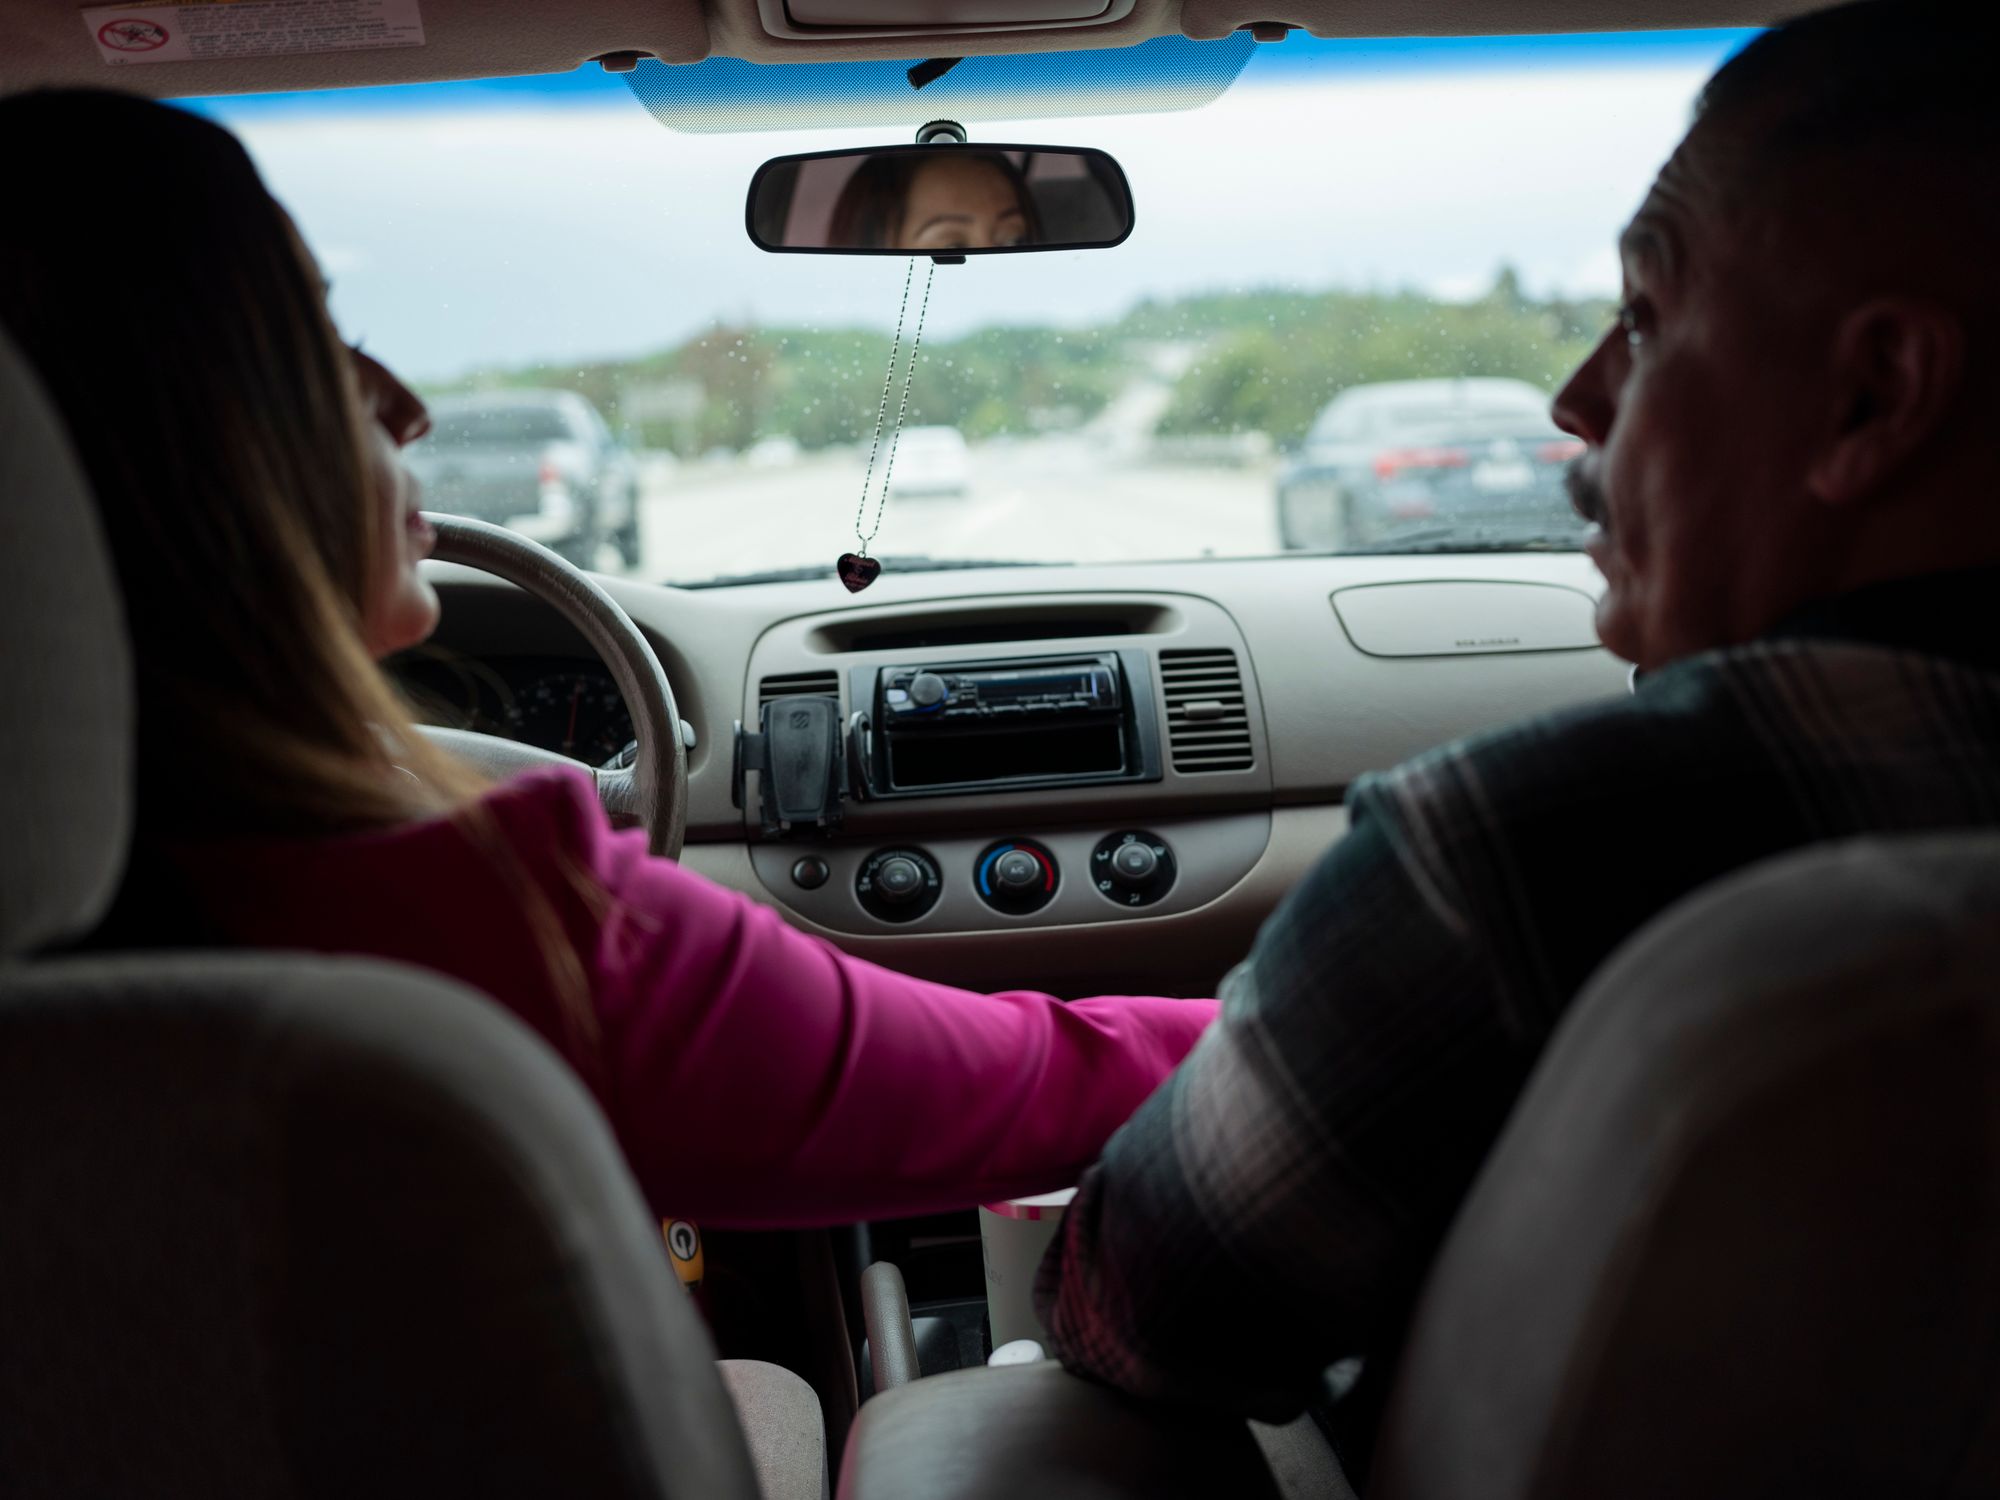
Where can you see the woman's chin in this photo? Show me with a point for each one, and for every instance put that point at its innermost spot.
(405, 620)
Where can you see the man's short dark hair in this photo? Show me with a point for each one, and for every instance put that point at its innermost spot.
(1874, 124)
(1877, 73)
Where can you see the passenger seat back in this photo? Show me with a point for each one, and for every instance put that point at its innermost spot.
(277, 1226)
(1742, 1235)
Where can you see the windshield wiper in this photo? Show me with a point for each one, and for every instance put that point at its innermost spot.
(912, 564)
(1460, 539)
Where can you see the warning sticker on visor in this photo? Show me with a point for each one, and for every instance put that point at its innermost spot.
(209, 30)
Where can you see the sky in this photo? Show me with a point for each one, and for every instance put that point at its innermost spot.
(551, 220)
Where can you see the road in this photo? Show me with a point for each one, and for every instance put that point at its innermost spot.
(1060, 499)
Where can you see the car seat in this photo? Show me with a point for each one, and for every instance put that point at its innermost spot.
(1741, 1237)
(277, 1225)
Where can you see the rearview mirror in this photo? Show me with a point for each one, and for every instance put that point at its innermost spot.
(942, 200)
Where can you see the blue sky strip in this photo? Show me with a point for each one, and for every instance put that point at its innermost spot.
(1184, 73)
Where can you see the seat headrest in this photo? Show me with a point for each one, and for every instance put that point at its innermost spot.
(1766, 1136)
(65, 678)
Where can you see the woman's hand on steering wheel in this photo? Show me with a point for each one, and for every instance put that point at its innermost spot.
(652, 790)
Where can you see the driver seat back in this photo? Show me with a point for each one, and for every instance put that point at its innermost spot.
(1741, 1237)
(277, 1225)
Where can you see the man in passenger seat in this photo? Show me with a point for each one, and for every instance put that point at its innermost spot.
(1792, 458)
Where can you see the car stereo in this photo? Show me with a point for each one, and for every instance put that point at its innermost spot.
(948, 727)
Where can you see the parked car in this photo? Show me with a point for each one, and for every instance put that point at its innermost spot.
(542, 463)
(1476, 458)
(931, 461)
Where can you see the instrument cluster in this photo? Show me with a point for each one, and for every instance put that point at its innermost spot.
(568, 705)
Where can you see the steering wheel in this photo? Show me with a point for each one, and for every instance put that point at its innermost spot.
(653, 790)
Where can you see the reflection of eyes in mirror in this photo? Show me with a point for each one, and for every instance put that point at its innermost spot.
(954, 200)
(941, 200)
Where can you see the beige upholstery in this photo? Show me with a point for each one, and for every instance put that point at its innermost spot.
(780, 1418)
(1742, 1237)
(47, 44)
(1036, 1432)
(1302, 1464)
(291, 1227)
(276, 1226)
(65, 681)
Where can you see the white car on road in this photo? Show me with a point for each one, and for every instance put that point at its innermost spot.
(931, 461)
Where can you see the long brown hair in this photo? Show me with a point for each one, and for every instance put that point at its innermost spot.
(181, 329)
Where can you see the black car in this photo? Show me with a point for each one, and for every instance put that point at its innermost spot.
(1476, 459)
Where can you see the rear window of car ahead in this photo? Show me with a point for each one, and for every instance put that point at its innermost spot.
(501, 424)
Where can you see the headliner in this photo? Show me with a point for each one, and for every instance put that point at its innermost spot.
(49, 45)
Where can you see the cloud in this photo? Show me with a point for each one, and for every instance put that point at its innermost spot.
(515, 234)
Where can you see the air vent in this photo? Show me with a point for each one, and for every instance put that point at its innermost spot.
(798, 684)
(1208, 728)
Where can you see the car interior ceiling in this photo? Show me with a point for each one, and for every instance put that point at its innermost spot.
(1340, 665)
(47, 47)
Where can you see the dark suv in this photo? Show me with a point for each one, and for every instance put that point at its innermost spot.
(542, 463)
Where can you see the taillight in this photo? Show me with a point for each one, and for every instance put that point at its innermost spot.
(1559, 452)
(1392, 461)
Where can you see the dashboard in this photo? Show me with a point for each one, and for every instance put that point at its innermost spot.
(570, 706)
(1121, 769)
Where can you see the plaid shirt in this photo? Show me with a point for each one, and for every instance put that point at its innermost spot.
(1275, 1206)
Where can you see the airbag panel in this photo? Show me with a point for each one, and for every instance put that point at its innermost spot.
(1465, 617)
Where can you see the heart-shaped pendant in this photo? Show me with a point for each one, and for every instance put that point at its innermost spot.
(857, 572)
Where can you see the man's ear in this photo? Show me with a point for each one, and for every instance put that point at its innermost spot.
(1896, 365)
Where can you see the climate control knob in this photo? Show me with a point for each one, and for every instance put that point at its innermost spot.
(1134, 864)
(1132, 867)
(1015, 876)
(898, 885)
(1017, 870)
(899, 879)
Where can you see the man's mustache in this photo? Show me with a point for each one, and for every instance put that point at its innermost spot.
(1586, 495)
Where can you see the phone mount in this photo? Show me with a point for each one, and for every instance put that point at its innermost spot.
(799, 753)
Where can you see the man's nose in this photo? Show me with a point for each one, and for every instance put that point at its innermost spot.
(1583, 407)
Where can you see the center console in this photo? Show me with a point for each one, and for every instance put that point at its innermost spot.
(973, 726)
(963, 768)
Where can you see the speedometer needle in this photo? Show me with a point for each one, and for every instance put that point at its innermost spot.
(569, 735)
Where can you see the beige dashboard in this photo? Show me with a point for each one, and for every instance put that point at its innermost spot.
(1274, 683)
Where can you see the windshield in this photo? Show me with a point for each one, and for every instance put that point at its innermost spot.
(495, 425)
(1355, 280)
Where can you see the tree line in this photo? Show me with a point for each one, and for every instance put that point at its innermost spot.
(1246, 361)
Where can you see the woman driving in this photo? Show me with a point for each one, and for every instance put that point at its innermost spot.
(267, 539)
(939, 200)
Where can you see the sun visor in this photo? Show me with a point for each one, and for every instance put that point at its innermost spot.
(727, 94)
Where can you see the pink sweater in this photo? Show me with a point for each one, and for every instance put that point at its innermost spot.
(754, 1075)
